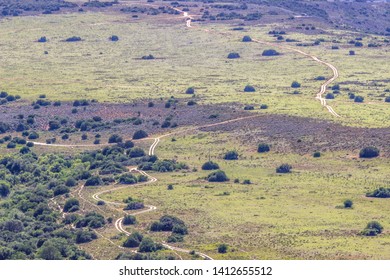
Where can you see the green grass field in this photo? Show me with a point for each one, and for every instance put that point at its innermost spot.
(97, 68)
(297, 215)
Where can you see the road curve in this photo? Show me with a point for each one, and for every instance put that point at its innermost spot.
(324, 86)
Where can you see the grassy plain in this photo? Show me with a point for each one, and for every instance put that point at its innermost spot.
(97, 68)
(297, 215)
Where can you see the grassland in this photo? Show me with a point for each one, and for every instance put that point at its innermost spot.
(114, 72)
(297, 215)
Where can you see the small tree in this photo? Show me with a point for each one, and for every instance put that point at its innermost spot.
(329, 96)
(369, 152)
(147, 245)
(352, 53)
(387, 99)
(284, 168)
(263, 148)
(42, 39)
(170, 187)
(316, 154)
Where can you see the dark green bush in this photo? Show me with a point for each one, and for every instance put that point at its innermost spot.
(210, 166)
(129, 220)
(369, 152)
(217, 176)
(231, 155)
(284, 168)
(71, 205)
(380, 193)
(140, 134)
(263, 148)
(249, 88)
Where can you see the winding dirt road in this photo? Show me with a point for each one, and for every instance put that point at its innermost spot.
(324, 86)
(119, 222)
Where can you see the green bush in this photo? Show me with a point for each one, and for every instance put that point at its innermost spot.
(134, 240)
(222, 248)
(140, 134)
(210, 166)
(217, 176)
(115, 138)
(190, 90)
(359, 99)
(263, 148)
(71, 205)
(233, 56)
(270, 53)
(380, 193)
(147, 245)
(129, 220)
(295, 84)
(348, 203)
(369, 152)
(4, 188)
(284, 168)
(249, 88)
(372, 229)
(316, 154)
(231, 155)
(247, 39)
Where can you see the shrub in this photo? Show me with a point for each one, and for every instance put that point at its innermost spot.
(247, 39)
(85, 236)
(263, 106)
(140, 134)
(191, 103)
(128, 144)
(249, 88)
(127, 179)
(270, 53)
(4, 188)
(284, 168)
(217, 176)
(352, 53)
(129, 220)
(147, 245)
(42, 40)
(150, 104)
(115, 138)
(134, 205)
(231, 155)
(222, 248)
(71, 205)
(348, 203)
(57, 104)
(73, 39)
(53, 125)
(190, 90)
(316, 154)
(11, 145)
(170, 187)
(94, 181)
(70, 182)
(92, 220)
(180, 229)
(134, 240)
(148, 57)
(359, 99)
(233, 56)
(114, 38)
(380, 193)
(33, 135)
(210, 166)
(247, 182)
(358, 44)
(372, 229)
(249, 107)
(387, 99)
(263, 148)
(329, 96)
(173, 238)
(136, 152)
(101, 203)
(369, 152)
(320, 78)
(295, 84)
